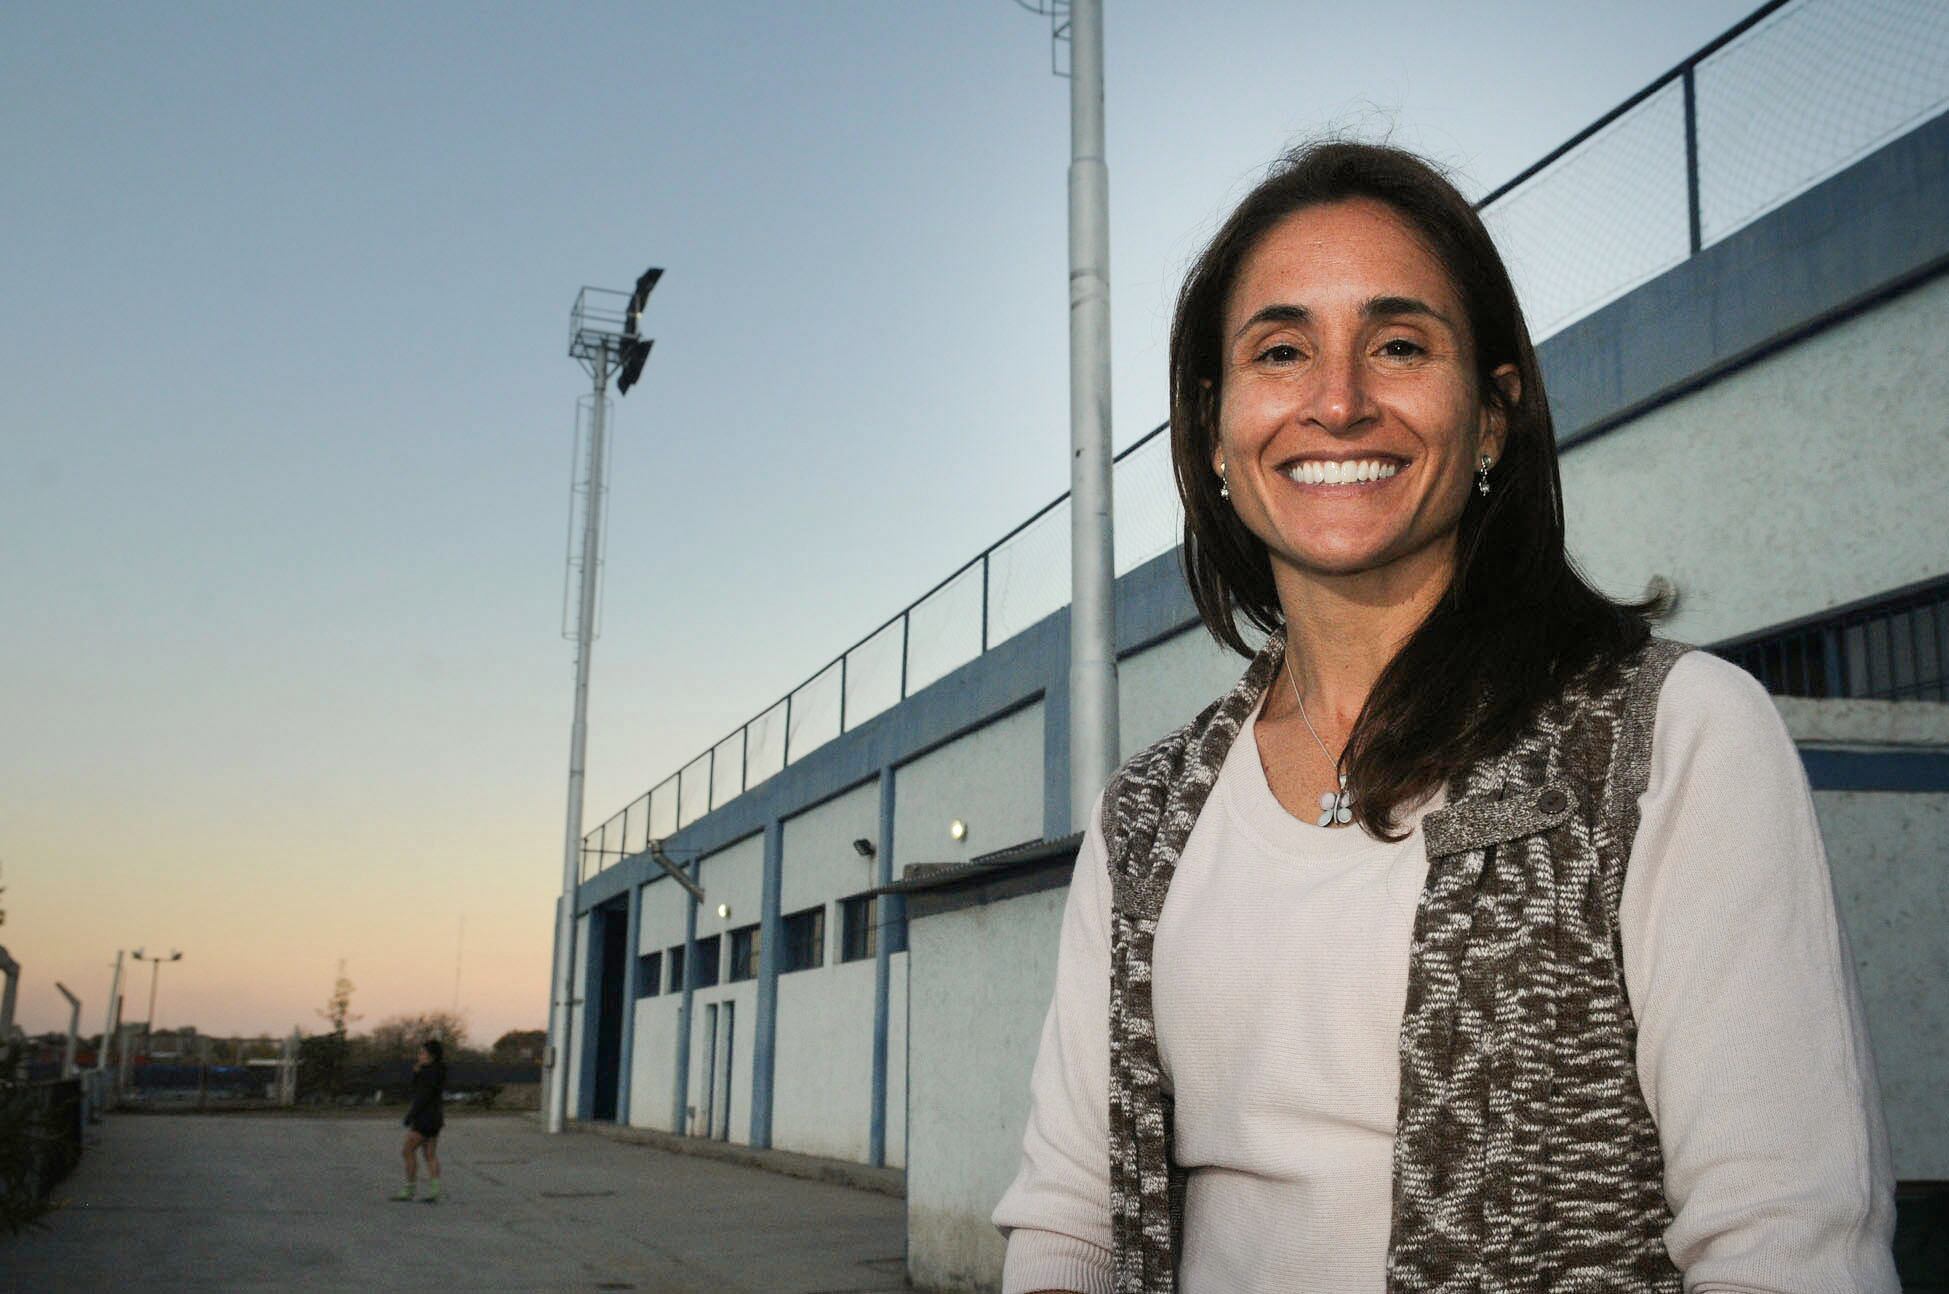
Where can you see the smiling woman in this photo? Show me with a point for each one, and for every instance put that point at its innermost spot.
(1268, 1064)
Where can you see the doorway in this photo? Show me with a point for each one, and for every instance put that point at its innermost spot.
(721, 1080)
(611, 940)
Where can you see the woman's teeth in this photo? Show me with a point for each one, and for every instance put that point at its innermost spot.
(1331, 472)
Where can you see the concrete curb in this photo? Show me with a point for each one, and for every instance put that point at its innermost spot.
(840, 1172)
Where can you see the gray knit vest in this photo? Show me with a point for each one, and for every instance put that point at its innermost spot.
(1525, 1158)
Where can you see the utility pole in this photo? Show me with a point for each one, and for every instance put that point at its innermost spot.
(108, 1025)
(74, 1028)
(1093, 718)
(604, 336)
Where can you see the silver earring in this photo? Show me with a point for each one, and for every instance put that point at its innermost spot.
(1482, 474)
(1224, 483)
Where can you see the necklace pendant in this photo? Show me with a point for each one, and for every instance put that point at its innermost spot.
(1336, 808)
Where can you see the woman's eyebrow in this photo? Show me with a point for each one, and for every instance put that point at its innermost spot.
(1374, 308)
(1395, 307)
(1282, 314)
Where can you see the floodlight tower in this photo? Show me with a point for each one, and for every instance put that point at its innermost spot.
(605, 337)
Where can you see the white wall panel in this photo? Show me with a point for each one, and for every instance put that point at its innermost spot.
(1810, 479)
(990, 779)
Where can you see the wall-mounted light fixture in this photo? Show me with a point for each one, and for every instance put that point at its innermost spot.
(864, 847)
(957, 830)
(724, 912)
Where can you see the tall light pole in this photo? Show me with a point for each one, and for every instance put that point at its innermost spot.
(1093, 719)
(1093, 707)
(155, 972)
(605, 336)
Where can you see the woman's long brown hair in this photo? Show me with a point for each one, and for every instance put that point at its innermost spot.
(1517, 621)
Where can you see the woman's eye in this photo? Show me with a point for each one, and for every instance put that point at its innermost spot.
(1400, 348)
(1283, 353)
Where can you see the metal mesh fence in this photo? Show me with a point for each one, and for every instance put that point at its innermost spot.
(1792, 94)
(815, 710)
(1149, 515)
(1028, 575)
(765, 754)
(873, 674)
(1808, 91)
(727, 769)
(944, 629)
(663, 808)
(1608, 215)
(694, 790)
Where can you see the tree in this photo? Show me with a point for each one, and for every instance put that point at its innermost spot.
(399, 1037)
(322, 1060)
(518, 1045)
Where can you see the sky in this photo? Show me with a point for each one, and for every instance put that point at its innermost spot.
(286, 412)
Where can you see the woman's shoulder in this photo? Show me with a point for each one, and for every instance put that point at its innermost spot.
(1709, 691)
(1713, 714)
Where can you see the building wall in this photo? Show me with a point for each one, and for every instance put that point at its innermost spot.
(822, 1097)
(990, 778)
(735, 876)
(653, 1073)
(820, 864)
(823, 1084)
(1162, 687)
(1810, 479)
(1889, 854)
(980, 979)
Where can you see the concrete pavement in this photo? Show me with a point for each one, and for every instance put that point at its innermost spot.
(277, 1201)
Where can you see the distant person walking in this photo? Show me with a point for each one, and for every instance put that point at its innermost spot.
(424, 1119)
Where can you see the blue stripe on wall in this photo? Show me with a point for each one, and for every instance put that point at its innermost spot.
(1912, 771)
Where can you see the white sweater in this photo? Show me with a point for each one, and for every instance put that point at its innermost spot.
(1281, 979)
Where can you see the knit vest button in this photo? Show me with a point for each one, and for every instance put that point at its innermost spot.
(1552, 801)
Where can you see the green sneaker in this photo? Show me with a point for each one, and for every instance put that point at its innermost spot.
(433, 1191)
(402, 1195)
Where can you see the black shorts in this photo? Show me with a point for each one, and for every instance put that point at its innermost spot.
(427, 1125)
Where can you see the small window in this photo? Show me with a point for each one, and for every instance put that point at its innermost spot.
(676, 961)
(744, 953)
(707, 967)
(649, 974)
(859, 928)
(805, 940)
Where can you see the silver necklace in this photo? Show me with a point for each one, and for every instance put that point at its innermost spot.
(1334, 808)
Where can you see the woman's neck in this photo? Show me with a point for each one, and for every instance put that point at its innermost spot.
(1342, 630)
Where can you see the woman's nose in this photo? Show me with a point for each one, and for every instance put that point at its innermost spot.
(1340, 400)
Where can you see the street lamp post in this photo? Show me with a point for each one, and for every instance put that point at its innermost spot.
(155, 973)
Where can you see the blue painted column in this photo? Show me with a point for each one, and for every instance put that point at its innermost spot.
(891, 908)
(680, 1090)
(632, 969)
(771, 933)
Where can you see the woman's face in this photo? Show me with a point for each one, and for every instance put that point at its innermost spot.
(425, 1057)
(1349, 421)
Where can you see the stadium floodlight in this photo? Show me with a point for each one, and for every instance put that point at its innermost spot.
(605, 334)
(636, 349)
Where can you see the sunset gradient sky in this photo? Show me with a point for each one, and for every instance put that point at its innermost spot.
(287, 414)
